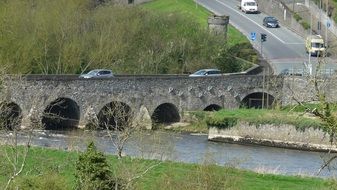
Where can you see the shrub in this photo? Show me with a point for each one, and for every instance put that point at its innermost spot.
(236, 58)
(305, 25)
(93, 171)
(222, 123)
(297, 17)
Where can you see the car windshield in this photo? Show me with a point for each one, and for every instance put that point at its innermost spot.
(201, 72)
(250, 4)
(92, 73)
(317, 45)
(271, 19)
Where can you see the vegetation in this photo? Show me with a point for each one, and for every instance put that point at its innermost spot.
(93, 171)
(292, 115)
(305, 25)
(57, 168)
(73, 36)
(262, 116)
(193, 11)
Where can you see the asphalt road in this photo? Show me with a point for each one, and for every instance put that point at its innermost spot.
(283, 49)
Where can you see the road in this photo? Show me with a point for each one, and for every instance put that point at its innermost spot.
(283, 49)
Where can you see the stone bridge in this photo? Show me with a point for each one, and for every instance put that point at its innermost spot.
(152, 99)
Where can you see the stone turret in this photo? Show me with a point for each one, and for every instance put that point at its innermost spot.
(218, 24)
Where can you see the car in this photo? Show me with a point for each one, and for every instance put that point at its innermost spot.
(270, 22)
(206, 72)
(97, 73)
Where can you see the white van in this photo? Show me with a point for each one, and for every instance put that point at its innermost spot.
(248, 6)
(314, 44)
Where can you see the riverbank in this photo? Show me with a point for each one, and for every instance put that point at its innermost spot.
(275, 128)
(60, 165)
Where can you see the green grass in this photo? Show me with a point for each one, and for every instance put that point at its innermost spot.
(190, 9)
(166, 175)
(263, 116)
(226, 118)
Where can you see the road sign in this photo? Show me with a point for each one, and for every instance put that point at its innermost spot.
(253, 36)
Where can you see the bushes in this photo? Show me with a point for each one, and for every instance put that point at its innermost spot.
(305, 25)
(222, 122)
(93, 171)
(70, 36)
(228, 118)
(236, 58)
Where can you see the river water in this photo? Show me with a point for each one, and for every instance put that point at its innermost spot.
(193, 148)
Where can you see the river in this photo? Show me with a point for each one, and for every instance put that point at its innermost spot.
(192, 148)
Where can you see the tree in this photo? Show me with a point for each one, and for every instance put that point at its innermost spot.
(118, 120)
(317, 86)
(236, 58)
(93, 171)
(17, 139)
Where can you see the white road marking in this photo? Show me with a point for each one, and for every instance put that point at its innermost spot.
(255, 23)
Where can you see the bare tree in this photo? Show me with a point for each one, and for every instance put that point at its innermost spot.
(318, 84)
(16, 139)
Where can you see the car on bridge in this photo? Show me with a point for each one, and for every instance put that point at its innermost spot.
(270, 22)
(206, 72)
(97, 73)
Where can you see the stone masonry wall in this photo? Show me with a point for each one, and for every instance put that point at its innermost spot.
(186, 93)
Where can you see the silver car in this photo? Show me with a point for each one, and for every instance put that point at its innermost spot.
(98, 73)
(206, 72)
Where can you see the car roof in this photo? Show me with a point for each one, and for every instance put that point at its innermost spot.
(97, 70)
(209, 70)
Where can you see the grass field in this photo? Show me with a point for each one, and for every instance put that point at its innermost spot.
(47, 163)
(194, 11)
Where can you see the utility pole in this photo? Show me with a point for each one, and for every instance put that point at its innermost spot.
(320, 18)
(327, 25)
(263, 79)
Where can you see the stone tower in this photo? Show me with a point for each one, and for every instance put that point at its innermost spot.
(218, 24)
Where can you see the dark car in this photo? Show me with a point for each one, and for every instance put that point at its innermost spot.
(270, 22)
(98, 73)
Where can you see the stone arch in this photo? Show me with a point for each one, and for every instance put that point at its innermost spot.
(212, 107)
(10, 115)
(114, 115)
(165, 113)
(258, 100)
(62, 113)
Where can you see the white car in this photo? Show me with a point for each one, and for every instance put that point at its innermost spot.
(206, 72)
(97, 73)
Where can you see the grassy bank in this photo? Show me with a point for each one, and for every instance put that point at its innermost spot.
(201, 120)
(195, 12)
(59, 167)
